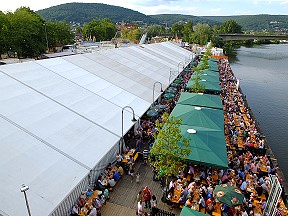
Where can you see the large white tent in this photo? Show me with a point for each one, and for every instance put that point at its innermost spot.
(61, 119)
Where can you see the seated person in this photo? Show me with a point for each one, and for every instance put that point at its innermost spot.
(120, 170)
(116, 176)
(109, 167)
(119, 158)
(89, 193)
(106, 194)
(189, 202)
(100, 184)
(111, 182)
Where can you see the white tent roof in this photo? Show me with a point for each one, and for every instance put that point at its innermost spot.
(60, 116)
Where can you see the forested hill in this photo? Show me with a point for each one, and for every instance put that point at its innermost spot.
(86, 12)
(170, 19)
(257, 22)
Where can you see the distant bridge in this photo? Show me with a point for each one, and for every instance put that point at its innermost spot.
(238, 37)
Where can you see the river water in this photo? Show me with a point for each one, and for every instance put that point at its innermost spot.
(263, 74)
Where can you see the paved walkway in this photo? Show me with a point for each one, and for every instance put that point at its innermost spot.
(123, 197)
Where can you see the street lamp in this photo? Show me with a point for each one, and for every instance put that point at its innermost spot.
(182, 66)
(133, 120)
(154, 91)
(23, 189)
(46, 36)
(170, 75)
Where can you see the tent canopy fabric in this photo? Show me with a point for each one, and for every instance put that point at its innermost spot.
(190, 212)
(199, 116)
(208, 146)
(200, 99)
(60, 119)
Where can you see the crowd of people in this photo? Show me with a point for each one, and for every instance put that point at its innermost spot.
(248, 165)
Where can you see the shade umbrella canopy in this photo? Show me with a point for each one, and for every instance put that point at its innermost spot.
(159, 107)
(213, 68)
(190, 212)
(210, 72)
(171, 90)
(177, 81)
(174, 84)
(169, 96)
(213, 60)
(208, 146)
(207, 77)
(209, 86)
(199, 116)
(200, 99)
(228, 195)
(152, 112)
(193, 63)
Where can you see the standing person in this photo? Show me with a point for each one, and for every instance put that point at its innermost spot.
(138, 178)
(147, 195)
(138, 145)
(140, 209)
(154, 206)
(131, 172)
(139, 197)
(145, 156)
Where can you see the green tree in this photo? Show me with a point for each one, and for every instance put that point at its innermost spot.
(187, 30)
(25, 33)
(4, 32)
(102, 29)
(155, 30)
(231, 26)
(177, 29)
(166, 154)
(197, 87)
(201, 35)
(58, 33)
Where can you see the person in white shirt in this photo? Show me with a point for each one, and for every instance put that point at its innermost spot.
(140, 209)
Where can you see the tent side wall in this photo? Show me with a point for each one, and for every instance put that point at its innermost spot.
(64, 208)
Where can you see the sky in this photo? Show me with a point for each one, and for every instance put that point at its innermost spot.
(189, 7)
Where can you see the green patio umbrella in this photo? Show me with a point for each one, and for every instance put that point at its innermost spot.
(190, 212)
(171, 90)
(159, 107)
(152, 112)
(209, 85)
(210, 72)
(193, 64)
(199, 116)
(200, 99)
(208, 146)
(228, 195)
(177, 81)
(168, 96)
(174, 84)
(207, 77)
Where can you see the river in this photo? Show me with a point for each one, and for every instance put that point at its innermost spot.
(263, 74)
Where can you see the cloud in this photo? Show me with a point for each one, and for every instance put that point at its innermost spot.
(284, 2)
(164, 9)
(216, 11)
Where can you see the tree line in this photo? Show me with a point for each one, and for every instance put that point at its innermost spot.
(25, 33)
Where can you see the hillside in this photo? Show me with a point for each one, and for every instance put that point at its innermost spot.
(86, 12)
(173, 18)
(262, 22)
